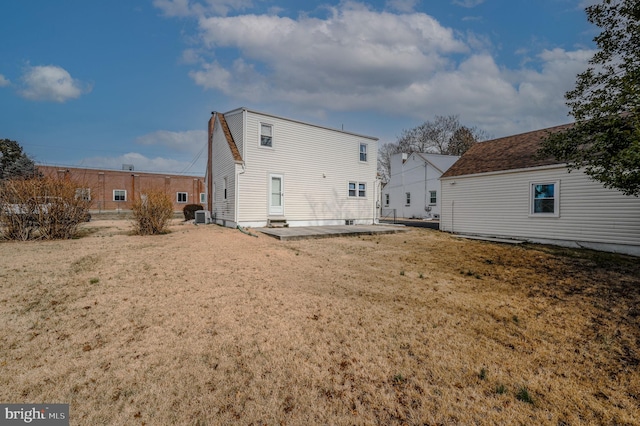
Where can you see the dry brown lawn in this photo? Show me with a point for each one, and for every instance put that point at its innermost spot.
(208, 326)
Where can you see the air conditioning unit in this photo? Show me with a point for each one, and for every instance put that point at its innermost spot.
(202, 217)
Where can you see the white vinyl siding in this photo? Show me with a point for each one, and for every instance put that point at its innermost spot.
(418, 175)
(499, 204)
(224, 172)
(316, 163)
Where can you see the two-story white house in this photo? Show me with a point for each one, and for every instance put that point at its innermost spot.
(264, 169)
(413, 190)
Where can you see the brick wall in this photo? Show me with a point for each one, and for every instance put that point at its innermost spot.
(107, 188)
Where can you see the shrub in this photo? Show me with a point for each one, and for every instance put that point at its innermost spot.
(152, 213)
(42, 208)
(190, 211)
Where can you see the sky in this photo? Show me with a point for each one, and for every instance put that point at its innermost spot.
(95, 83)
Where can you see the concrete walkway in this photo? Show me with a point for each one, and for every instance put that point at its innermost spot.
(308, 232)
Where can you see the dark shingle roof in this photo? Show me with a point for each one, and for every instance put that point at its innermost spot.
(508, 153)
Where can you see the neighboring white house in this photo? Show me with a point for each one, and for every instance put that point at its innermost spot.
(501, 188)
(265, 169)
(413, 190)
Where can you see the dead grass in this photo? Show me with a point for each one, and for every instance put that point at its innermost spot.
(206, 325)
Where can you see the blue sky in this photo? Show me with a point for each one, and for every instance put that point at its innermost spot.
(101, 83)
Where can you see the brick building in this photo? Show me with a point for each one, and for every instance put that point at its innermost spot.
(114, 190)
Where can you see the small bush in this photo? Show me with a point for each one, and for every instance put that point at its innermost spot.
(152, 213)
(42, 208)
(524, 395)
(190, 211)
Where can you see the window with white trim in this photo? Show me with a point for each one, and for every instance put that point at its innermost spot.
(363, 152)
(203, 197)
(119, 195)
(407, 197)
(433, 197)
(83, 194)
(357, 189)
(266, 135)
(386, 199)
(182, 197)
(362, 189)
(545, 198)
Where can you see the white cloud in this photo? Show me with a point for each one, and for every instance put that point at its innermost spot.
(182, 8)
(468, 3)
(51, 83)
(144, 163)
(4, 81)
(190, 141)
(353, 50)
(359, 59)
(402, 5)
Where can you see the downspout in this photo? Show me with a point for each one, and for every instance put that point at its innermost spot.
(425, 187)
(242, 164)
(208, 174)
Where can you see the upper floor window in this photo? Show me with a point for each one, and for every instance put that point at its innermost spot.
(266, 135)
(182, 197)
(363, 152)
(544, 198)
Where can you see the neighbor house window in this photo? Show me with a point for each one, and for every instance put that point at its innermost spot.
(119, 195)
(433, 197)
(407, 196)
(266, 135)
(224, 188)
(363, 152)
(544, 198)
(203, 197)
(357, 189)
(182, 197)
(386, 199)
(83, 194)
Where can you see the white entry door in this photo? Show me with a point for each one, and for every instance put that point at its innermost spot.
(276, 195)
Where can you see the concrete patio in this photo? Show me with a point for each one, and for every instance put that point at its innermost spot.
(309, 232)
